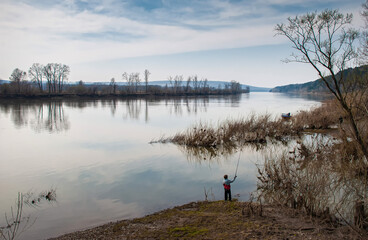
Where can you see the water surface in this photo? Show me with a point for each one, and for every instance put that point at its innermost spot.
(96, 154)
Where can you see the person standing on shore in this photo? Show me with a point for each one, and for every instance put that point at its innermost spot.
(226, 183)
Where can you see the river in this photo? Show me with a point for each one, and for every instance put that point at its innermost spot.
(97, 157)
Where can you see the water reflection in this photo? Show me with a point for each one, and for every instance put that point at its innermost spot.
(39, 116)
(313, 97)
(51, 116)
(102, 165)
(133, 109)
(318, 176)
(19, 221)
(207, 154)
(19, 115)
(219, 153)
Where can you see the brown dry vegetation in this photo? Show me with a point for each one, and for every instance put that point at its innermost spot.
(321, 179)
(254, 129)
(324, 175)
(324, 117)
(316, 190)
(220, 220)
(257, 129)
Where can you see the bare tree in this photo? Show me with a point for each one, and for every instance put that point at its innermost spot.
(171, 83)
(137, 81)
(63, 73)
(36, 73)
(132, 80)
(17, 77)
(146, 75)
(195, 83)
(364, 40)
(113, 86)
(178, 81)
(125, 77)
(188, 84)
(56, 74)
(326, 42)
(235, 87)
(48, 73)
(205, 85)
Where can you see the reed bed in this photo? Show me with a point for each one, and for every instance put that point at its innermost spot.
(257, 129)
(326, 116)
(254, 129)
(325, 175)
(322, 178)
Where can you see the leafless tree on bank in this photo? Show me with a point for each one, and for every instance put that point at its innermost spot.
(187, 88)
(113, 86)
(146, 75)
(137, 81)
(17, 77)
(176, 83)
(364, 40)
(56, 75)
(326, 42)
(195, 83)
(36, 72)
(132, 80)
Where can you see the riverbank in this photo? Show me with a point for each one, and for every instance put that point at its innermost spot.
(220, 220)
(109, 96)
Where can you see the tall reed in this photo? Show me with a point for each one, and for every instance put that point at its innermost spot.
(254, 129)
(319, 177)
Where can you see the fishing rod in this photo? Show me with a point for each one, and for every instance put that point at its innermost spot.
(237, 165)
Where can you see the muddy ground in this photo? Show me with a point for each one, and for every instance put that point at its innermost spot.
(222, 220)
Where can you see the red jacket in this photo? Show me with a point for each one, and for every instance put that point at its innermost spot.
(227, 182)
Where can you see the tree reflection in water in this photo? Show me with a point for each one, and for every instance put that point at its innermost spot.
(40, 116)
(133, 108)
(216, 154)
(51, 117)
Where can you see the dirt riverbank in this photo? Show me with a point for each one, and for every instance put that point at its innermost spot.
(221, 220)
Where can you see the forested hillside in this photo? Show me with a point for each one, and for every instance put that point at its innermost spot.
(318, 85)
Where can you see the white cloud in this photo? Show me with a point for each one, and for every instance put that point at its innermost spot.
(110, 29)
(58, 34)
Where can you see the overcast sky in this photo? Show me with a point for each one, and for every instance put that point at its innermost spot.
(220, 40)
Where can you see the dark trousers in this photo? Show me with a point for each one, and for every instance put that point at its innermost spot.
(227, 194)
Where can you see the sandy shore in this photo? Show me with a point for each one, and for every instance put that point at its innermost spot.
(221, 220)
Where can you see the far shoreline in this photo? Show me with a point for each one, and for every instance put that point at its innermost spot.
(68, 96)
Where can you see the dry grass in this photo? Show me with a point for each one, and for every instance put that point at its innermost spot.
(233, 133)
(219, 220)
(263, 129)
(321, 178)
(324, 177)
(257, 129)
(323, 117)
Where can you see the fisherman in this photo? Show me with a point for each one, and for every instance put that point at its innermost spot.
(226, 182)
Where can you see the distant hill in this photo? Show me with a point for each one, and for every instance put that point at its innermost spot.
(3, 81)
(317, 85)
(215, 84)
